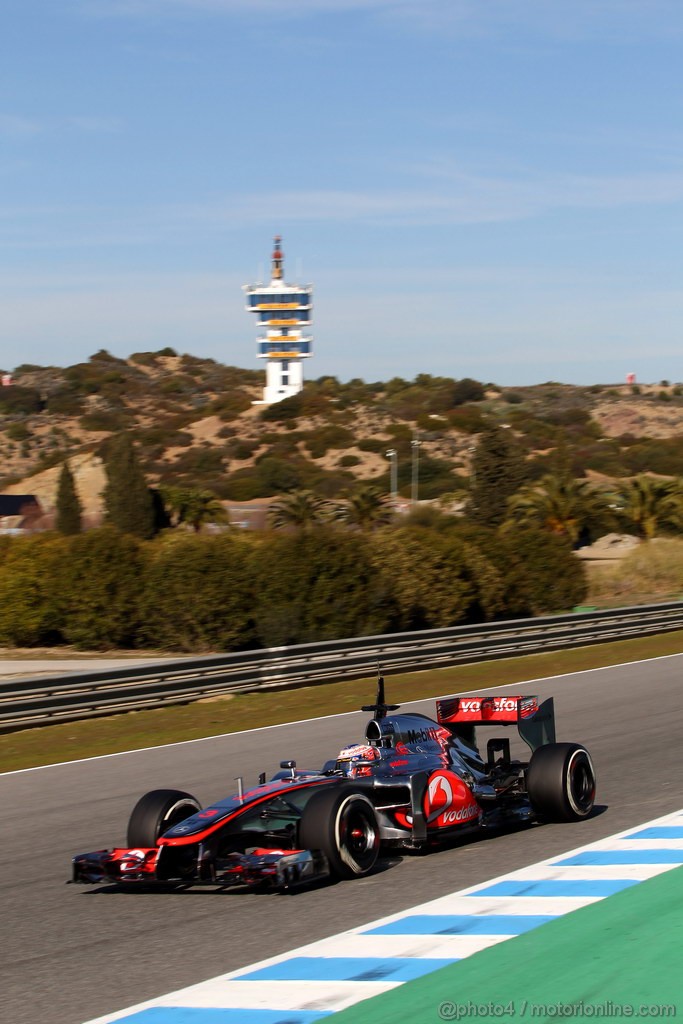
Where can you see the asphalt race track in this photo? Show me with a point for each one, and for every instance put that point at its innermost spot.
(71, 953)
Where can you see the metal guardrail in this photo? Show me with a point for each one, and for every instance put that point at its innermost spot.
(42, 700)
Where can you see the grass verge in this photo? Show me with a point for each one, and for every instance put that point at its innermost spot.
(52, 744)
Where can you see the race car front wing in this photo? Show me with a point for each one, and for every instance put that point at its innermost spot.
(279, 869)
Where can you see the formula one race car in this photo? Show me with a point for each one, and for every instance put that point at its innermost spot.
(413, 782)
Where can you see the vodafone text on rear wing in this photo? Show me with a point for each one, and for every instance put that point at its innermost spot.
(535, 722)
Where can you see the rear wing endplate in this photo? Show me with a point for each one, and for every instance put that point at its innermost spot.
(535, 722)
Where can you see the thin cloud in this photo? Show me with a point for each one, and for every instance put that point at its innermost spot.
(293, 9)
(468, 199)
(611, 19)
(19, 127)
(228, 7)
(94, 124)
(449, 196)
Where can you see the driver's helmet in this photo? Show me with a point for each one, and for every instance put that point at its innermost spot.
(352, 761)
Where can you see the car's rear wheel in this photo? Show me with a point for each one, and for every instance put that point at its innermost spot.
(156, 812)
(341, 822)
(561, 782)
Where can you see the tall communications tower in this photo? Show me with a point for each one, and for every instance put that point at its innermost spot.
(283, 313)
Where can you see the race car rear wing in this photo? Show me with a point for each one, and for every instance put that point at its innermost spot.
(535, 723)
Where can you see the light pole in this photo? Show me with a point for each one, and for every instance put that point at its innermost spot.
(393, 455)
(415, 445)
(473, 470)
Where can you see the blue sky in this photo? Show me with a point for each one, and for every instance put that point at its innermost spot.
(484, 188)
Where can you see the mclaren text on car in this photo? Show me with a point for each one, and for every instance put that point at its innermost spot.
(412, 782)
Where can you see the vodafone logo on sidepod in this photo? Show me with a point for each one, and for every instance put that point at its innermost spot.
(448, 801)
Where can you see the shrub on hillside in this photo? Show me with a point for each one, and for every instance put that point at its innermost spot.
(197, 594)
(569, 416)
(229, 406)
(603, 457)
(99, 589)
(268, 477)
(18, 432)
(180, 384)
(539, 572)
(30, 581)
(356, 392)
(436, 477)
(277, 474)
(467, 418)
(318, 585)
(655, 455)
(434, 577)
(242, 485)
(197, 462)
(320, 441)
(372, 444)
(467, 390)
(90, 378)
(64, 401)
(105, 420)
(432, 424)
(144, 358)
(287, 410)
(20, 401)
(533, 432)
(163, 436)
(552, 578)
(243, 448)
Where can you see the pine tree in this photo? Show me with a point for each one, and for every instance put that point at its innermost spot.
(127, 499)
(69, 508)
(498, 470)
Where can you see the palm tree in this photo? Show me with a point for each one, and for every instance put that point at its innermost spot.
(300, 509)
(202, 507)
(193, 507)
(559, 504)
(647, 503)
(366, 508)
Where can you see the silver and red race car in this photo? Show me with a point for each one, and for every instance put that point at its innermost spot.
(412, 782)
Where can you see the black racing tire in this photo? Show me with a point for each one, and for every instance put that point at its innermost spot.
(156, 812)
(341, 822)
(561, 782)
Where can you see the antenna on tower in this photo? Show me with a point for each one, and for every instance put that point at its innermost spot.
(277, 259)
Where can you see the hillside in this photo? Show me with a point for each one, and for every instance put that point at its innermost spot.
(195, 424)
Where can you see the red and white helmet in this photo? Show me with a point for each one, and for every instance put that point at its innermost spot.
(351, 759)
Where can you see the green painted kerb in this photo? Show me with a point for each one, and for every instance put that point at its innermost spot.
(620, 957)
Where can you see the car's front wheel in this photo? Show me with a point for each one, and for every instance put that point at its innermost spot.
(341, 822)
(156, 812)
(561, 782)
